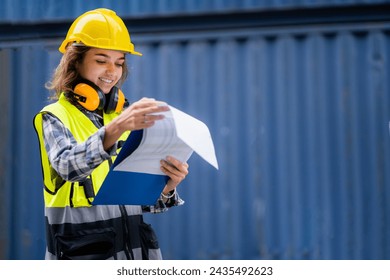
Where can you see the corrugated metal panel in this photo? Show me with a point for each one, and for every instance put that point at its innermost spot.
(300, 121)
(23, 191)
(4, 141)
(54, 10)
(299, 116)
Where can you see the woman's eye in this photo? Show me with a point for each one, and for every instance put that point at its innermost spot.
(100, 61)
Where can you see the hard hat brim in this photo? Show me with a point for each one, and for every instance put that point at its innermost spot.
(65, 44)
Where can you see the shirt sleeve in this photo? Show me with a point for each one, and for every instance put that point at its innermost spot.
(71, 160)
(162, 205)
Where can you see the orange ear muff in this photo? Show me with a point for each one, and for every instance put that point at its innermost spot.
(89, 97)
(121, 101)
(115, 102)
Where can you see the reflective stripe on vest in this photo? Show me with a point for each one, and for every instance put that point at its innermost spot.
(69, 194)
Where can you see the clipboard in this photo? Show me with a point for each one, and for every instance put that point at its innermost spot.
(135, 177)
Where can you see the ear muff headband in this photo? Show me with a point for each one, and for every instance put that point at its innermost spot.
(90, 97)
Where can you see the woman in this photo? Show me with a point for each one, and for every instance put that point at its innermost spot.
(81, 133)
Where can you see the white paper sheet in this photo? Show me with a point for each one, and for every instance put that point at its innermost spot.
(177, 135)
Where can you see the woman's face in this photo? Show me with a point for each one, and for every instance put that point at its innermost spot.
(102, 67)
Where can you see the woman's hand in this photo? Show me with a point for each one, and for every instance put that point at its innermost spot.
(175, 170)
(142, 114)
(139, 115)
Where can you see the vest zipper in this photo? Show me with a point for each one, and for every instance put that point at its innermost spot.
(71, 195)
(126, 234)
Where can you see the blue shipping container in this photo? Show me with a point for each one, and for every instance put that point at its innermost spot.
(298, 108)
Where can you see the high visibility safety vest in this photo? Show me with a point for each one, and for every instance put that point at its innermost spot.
(74, 228)
(72, 194)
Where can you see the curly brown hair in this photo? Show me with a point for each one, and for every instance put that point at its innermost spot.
(66, 74)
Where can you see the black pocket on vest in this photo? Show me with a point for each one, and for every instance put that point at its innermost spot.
(148, 239)
(86, 245)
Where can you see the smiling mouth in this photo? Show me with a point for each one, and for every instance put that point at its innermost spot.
(106, 81)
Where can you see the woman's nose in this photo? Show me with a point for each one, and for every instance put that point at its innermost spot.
(110, 68)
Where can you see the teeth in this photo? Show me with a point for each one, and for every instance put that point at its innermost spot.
(106, 80)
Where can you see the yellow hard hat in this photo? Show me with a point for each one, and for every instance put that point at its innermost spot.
(100, 28)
